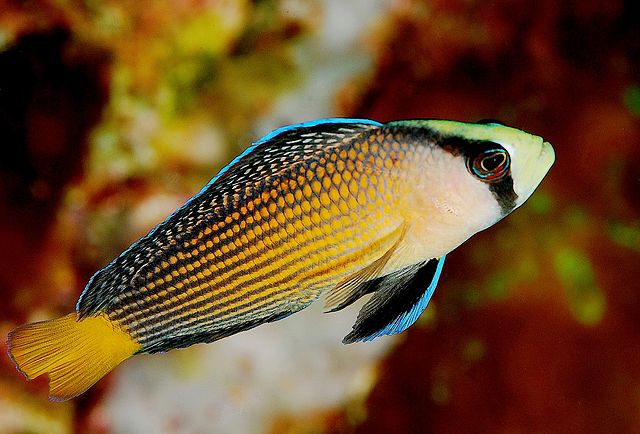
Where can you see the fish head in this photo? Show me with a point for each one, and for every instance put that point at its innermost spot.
(530, 157)
(510, 162)
(470, 176)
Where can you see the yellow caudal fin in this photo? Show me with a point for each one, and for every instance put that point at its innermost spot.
(75, 354)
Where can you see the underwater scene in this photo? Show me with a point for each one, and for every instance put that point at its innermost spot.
(114, 113)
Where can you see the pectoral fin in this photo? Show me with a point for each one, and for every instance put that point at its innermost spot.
(356, 285)
(398, 301)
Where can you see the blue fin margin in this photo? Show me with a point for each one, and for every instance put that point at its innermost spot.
(404, 321)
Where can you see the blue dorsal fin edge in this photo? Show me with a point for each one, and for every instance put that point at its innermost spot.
(315, 123)
(285, 129)
(273, 134)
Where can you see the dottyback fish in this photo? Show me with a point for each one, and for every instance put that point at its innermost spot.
(338, 208)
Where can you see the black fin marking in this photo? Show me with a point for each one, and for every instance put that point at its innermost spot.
(490, 122)
(398, 301)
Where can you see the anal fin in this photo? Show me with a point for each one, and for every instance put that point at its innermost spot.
(399, 299)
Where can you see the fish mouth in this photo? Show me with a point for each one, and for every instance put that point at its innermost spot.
(532, 171)
(547, 154)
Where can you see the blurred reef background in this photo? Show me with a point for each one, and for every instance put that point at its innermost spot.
(114, 112)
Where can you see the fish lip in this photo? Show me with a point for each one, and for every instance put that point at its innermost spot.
(535, 168)
(547, 155)
(548, 148)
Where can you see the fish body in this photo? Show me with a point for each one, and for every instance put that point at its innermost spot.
(337, 207)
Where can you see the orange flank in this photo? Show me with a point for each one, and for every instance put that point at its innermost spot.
(75, 354)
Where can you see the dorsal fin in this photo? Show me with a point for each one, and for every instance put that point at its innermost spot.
(397, 302)
(296, 139)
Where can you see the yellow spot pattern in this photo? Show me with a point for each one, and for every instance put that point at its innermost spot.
(298, 233)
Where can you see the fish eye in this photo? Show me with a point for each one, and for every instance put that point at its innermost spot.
(489, 165)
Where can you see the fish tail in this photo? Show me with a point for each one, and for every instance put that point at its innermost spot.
(75, 353)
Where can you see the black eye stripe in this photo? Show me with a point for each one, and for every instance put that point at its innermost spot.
(466, 148)
(490, 122)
